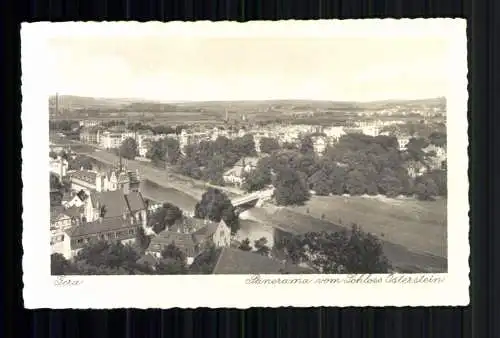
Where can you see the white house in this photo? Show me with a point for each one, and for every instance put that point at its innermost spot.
(59, 166)
(75, 200)
(110, 229)
(235, 174)
(319, 144)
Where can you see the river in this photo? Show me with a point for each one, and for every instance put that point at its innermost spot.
(249, 227)
(258, 222)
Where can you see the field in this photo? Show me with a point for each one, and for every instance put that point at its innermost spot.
(419, 226)
(213, 112)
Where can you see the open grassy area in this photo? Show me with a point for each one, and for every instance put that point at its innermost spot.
(420, 226)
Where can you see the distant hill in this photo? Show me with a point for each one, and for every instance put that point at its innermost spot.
(385, 103)
(215, 110)
(71, 101)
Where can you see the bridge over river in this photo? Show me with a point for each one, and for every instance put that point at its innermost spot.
(282, 220)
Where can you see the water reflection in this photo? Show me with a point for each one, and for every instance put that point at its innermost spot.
(249, 227)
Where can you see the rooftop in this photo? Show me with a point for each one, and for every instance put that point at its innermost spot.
(179, 239)
(100, 226)
(84, 175)
(235, 261)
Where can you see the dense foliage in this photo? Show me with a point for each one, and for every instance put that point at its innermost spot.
(80, 162)
(268, 145)
(208, 160)
(164, 217)
(128, 148)
(358, 164)
(348, 251)
(164, 150)
(114, 258)
(216, 206)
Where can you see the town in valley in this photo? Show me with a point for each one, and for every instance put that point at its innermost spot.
(247, 187)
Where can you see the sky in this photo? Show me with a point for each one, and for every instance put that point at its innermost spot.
(217, 69)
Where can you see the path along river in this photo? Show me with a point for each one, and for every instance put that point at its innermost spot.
(260, 222)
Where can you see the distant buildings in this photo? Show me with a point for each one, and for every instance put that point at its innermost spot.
(235, 175)
(88, 123)
(89, 180)
(110, 140)
(90, 135)
(319, 143)
(403, 142)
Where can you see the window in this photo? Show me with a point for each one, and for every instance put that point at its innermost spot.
(111, 235)
(131, 231)
(79, 241)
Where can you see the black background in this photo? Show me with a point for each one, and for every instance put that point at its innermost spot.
(481, 319)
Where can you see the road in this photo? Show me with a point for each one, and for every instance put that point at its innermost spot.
(400, 256)
(164, 177)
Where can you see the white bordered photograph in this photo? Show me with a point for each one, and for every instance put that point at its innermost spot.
(288, 163)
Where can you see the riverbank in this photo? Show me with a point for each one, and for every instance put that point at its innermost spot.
(420, 226)
(402, 225)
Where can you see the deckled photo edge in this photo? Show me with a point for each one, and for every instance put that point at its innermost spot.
(231, 290)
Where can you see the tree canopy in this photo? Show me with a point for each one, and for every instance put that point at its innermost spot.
(268, 145)
(164, 217)
(128, 148)
(166, 149)
(347, 251)
(216, 206)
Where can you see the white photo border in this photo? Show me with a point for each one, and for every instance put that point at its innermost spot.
(233, 291)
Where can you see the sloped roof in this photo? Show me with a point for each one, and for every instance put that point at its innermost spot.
(179, 239)
(253, 161)
(236, 171)
(84, 175)
(114, 203)
(123, 178)
(135, 201)
(188, 225)
(206, 231)
(74, 211)
(99, 226)
(235, 261)
(82, 195)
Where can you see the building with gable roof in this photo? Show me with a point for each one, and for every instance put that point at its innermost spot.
(110, 229)
(236, 261)
(74, 199)
(112, 204)
(191, 243)
(236, 173)
(59, 167)
(89, 180)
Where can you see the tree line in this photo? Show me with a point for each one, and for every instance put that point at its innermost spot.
(347, 251)
(358, 164)
(206, 160)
